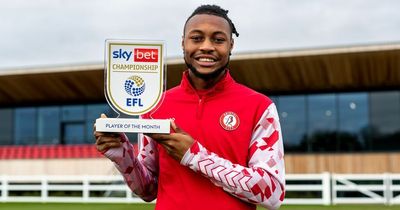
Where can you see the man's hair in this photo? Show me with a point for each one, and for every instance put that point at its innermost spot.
(213, 10)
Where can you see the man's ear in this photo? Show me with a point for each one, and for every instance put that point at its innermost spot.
(231, 47)
(183, 43)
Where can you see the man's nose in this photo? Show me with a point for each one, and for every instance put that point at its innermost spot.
(207, 46)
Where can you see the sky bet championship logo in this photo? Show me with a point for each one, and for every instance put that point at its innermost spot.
(134, 75)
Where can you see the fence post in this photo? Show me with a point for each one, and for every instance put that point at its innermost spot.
(333, 187)
(326, 188)
(44, 188)
(85, 192)
(387, 191)
(4, 188)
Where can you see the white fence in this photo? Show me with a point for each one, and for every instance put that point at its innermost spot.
(65, 189)
(323, 189)
(306, 184)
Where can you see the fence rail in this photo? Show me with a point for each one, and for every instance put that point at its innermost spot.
(322, 189)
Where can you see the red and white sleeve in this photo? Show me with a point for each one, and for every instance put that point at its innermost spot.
(140, 173)
(263, 181)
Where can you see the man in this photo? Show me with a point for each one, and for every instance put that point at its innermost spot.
(227, 152)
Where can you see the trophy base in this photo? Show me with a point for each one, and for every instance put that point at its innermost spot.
(132, 125)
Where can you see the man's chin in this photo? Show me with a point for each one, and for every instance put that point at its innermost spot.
(206, 75)
(204, 72)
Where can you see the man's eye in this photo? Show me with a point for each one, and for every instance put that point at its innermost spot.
(196, 38)
(219, 40)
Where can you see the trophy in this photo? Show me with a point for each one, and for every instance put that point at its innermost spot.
(134, 78)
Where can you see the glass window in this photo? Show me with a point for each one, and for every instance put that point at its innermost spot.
(274, 99)
(292, 115)
(93, 112)
(49, 125)
(385, 120)
(322, 124)
(353, 121)
(73, 124)
(310, 123)
(6, 127)
(25, 126)
(73, 113)
(73, 133)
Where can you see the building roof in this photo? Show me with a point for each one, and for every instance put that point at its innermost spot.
(354, 68)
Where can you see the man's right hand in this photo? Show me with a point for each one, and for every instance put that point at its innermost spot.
(106, 140)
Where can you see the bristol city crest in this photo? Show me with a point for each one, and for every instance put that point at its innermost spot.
(229, 121)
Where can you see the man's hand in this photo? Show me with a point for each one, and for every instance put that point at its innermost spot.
(176, 143)
(105, 141)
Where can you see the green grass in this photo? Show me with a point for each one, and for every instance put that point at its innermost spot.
(97, 206)
(74, 206)
(339, 207)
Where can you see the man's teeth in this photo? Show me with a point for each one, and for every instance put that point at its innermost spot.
(206, 59)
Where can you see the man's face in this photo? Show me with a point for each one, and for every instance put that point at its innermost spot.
(207, 43)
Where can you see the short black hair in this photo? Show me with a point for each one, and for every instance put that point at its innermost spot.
(213, 10)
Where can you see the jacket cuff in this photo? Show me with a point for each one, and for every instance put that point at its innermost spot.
(114, 153)
(189, 154)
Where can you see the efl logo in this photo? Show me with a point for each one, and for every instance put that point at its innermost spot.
(145, 55)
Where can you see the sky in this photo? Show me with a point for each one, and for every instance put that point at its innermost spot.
(46, 33)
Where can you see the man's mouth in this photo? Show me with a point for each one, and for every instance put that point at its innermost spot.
(206, 59)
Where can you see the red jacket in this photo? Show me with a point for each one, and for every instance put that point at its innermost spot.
(235, 163)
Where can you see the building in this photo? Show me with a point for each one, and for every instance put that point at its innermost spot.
(339, 110)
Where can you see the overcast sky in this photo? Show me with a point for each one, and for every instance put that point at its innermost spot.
(37, 33)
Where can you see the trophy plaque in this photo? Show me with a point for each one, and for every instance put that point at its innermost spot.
(134, 82)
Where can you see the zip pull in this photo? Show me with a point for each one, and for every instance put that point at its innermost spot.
(200, 108)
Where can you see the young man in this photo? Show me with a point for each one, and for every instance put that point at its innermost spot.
(227, 152)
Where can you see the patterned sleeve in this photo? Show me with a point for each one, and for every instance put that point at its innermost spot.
(140, 173)
(263, 181)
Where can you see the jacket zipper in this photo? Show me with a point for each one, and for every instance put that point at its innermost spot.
(200, 108)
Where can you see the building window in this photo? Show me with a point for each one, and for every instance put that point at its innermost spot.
(73, 124)
(25, 126)
(6, 127)
(49, 125)
(74, 113)
(292, 115)
(93, 112)
(343, 122)
(322, 123)
(353, 122)
(72, 133)
(385, 120)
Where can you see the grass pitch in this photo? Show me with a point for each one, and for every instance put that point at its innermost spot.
(74, 206)
(101, 206)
